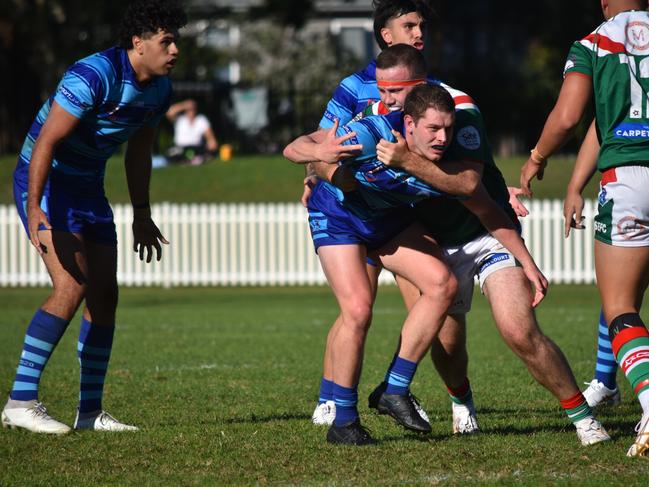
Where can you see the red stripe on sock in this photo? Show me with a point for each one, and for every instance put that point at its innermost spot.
(627, 335)
(642, 384)
(573, 402)
(459, 391)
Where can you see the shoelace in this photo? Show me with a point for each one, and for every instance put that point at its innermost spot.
(39, 411)
(105, 418)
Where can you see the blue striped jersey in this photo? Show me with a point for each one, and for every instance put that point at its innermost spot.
(103, 92)
(381, 187)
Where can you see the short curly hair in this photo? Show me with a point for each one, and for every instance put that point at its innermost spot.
(147, 17)
(384, 10)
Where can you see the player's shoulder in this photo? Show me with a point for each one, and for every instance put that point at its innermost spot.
(105, 63)
(622, 33)
(463, 100)
(359, 79)
(381, 126)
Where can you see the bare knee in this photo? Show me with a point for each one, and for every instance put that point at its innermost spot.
(65, 298)
(357, 315)
(525, 341)
(442, 287)
(101, 302)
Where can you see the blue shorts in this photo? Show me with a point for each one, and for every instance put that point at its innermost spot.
(332, 224)
(71, 205)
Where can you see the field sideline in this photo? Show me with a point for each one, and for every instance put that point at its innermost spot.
(222, 382)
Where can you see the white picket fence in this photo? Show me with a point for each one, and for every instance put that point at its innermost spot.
(266, 244)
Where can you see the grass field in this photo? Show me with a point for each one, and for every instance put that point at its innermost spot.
(222, 382)
(263, 179)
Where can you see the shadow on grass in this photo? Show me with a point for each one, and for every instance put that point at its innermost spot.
(255, 419)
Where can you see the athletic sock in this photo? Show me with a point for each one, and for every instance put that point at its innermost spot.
(576, 407)
(43, 334)
(326, 391)
(346, 399)
(630, 340)
(461, 394)
(400, 376)
(94, 347)
(606, 366)
(643, 397)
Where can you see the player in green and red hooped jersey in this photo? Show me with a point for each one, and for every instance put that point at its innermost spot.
(611, 64)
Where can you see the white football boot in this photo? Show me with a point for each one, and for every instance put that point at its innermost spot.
(324, 413)
(465, 421)
(33, 418)
(100, 421)
(641, 445)
(597, 394)
(591, 431)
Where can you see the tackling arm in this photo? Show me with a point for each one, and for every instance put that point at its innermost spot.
(496, 221)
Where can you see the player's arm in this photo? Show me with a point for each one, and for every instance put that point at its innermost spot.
(322, 145)
(137, 162)
(585, 167)
(566, 114)
(460, 178)
(496, 221)
(58, 125)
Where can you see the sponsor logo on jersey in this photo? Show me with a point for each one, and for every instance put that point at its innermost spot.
(318, 225)
(631, 131)
(469, 137)
(602, 197)
(71, 97)
(629, 227)
(637, 36)
(494, 259)
(600, 227)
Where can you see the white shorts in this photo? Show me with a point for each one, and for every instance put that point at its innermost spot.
(623, 207)
(479, 258)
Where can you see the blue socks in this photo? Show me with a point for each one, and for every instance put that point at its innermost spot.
(606, 367)
(94, 347)
(326, 391)
(346, 399)
(400, 376)
(43, 334)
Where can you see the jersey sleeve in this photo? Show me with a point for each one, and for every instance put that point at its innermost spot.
(469, 138)
(366, 133)
(579, 61)
(341, 106)
(81, 89)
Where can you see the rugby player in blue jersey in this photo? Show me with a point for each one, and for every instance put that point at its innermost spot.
(471, 252)
(102, 101)
(346, 226)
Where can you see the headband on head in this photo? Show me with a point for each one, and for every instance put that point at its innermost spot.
(400, 83)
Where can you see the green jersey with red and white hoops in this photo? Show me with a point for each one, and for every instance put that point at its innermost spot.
(616, 57)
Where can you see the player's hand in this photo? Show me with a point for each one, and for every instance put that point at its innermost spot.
(529, 171)
(333, 149)
(35, 218)
(392, 153)
(539, 282)
(147, 236)
(309, 183)
(517, 205)
(573, 206)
